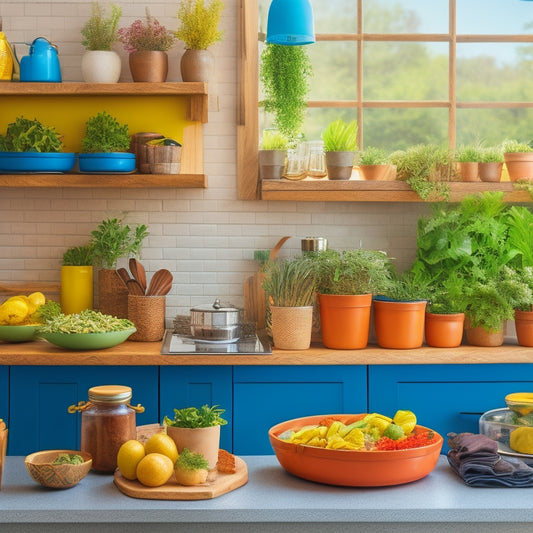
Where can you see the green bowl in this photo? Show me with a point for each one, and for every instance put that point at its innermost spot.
(88, 341)
(18, 333)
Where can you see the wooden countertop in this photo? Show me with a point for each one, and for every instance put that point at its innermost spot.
(148, 354)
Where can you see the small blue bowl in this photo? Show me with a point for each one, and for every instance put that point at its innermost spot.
(107, 162)
(13, 162)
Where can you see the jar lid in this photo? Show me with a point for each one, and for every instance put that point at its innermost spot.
(110, 393)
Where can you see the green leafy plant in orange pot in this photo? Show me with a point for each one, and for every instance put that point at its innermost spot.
(346, 281)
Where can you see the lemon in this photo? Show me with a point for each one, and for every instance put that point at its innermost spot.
(155, 469)
(37, 299)
(13, 311)
(128, 457)
(162, 443)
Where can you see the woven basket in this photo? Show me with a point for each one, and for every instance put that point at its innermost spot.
(148, 315)
(112, 294)
(291, 327)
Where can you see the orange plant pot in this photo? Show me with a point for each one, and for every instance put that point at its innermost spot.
(479, 336)
(345, 320)
(524, 327)
(399, 325)
(444, 331)
(519, 165)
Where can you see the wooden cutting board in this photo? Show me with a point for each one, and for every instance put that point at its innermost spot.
(217, 484)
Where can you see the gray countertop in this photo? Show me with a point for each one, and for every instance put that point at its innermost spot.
(272, 499)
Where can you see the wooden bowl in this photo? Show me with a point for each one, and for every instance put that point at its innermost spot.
(64, 476)
(352, 468)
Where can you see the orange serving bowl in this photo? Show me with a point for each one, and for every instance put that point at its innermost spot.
(352, 468)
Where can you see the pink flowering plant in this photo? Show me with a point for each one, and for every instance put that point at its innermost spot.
(146, 35)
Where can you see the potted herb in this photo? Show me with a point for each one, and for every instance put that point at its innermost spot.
(198, 430)
(77, 279)
(147, 43)
(467, 158)
(284, 73)
(490, 164)
(101, 64)
(112, 240)
(426, 168)
(346, 281)
(373, 163)
(198, 30)
(272, 154)
(289, 286)
(518, 157)
(105, 146)
(523, 314)
(340, 144)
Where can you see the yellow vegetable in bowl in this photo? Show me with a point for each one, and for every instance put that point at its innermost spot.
(17, 310)
(521, 440)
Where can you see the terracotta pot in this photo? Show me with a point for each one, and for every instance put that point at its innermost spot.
(373, 172)
(519, 165)
(524, 327)
(197, 65)
(76, 288)
(399, 325)
(479, 336)
(149, 66)
(490, 172)
(345, 320)
(468, 171)
(339, 165)
(271, 164)
(291, 327)
(101, 66)
(198, 440)
(112, 294)
(444, 330)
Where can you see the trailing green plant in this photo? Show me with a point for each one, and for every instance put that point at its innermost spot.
(199, 23)
(284, 73)
(513, 146)
(468, 153)
(101, 32)
(491, 154)
(26, 135)
(351, 272)
(113, 239)
(340, 136)
(274, 140)
(105, 134)
(373, 155)
(426, 168)
(79, 255)
(290, 282)
(194, 417)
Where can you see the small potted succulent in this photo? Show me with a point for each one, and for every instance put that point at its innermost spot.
(105, 146)
(101, 64)
(147, 43)
(198, 30)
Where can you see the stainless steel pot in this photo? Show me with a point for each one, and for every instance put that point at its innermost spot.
(215, 322)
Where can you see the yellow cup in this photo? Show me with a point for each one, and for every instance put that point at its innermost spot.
(76, 289)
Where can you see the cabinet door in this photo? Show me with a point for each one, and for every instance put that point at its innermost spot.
(194, 386)
(41, 395)
(266, 396)
(446, 398)
(4, 394)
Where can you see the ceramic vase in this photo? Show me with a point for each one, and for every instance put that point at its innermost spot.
(149, 66)
(198, 440)
(76, 289)
(197, 65)
(100, 66)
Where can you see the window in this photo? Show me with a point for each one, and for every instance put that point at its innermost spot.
(409, 71)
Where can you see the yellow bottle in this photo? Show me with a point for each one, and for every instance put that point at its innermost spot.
(6, 59)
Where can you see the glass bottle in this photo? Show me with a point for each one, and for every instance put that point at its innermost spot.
(316, 167)
(107, 421)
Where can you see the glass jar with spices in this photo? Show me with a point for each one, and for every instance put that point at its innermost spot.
(107, 421)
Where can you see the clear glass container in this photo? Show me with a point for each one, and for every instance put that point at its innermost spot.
(316, 166)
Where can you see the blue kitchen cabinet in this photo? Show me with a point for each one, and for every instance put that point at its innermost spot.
(41, 395)
(446, 398)
(266, 396)
(4, 394)
(194, 386)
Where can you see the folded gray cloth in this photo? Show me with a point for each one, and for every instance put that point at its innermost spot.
(476, 460)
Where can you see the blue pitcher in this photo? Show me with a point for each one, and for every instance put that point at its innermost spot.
(42, 64)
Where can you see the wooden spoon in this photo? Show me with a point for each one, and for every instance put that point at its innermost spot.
(160, 278)
(138, 272)
(134, 287)
(124, 276)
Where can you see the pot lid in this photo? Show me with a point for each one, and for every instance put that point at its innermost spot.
(215, 307)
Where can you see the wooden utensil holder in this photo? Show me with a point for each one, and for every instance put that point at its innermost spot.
(148, 315)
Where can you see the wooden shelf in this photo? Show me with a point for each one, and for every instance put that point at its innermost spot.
(323, 190)
(176, 181)
(196, 91)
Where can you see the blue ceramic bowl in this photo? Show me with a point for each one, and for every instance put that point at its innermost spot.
(107, 162)
(13, 162)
